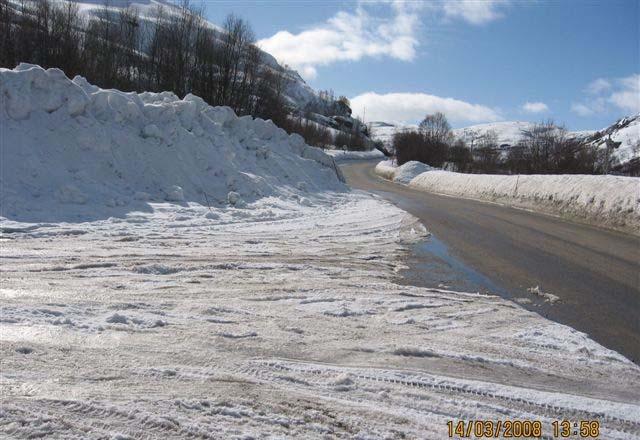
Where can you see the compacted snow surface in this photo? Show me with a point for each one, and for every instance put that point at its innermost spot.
(269, 311)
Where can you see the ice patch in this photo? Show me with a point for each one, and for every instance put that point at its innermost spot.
(117, 319)
(548, 297)
(155, 269)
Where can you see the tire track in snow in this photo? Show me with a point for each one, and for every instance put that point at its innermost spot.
(266, 370)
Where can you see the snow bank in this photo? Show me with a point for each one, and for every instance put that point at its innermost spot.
(386, 169)
(404, 173)
(343, 155)
(610, 201)
(407, 171)
(71, 151)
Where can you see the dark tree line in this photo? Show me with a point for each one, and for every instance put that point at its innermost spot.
(429, 144)
(547, 149)
(175, 50)
(544, 149)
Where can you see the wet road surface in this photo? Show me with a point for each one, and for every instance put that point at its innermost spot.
(488, 247)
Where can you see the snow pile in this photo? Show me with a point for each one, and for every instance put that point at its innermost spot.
(386, 169)
(611, 201)
(407, 171)
(71, 150)
(345, 155)
(403, 173)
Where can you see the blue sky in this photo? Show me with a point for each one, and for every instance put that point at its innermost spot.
(577, 62)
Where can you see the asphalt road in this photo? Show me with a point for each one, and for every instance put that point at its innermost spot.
(595, 272)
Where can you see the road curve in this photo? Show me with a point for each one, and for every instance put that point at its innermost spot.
(595, 272)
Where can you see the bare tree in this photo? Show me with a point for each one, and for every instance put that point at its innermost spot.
(128, 37)
(270, 102)
(204, 80)
(8, 27)
(236, 36)
(436, 128)
(100, 48)
(460, 156)
(486, 153)
(547, 148)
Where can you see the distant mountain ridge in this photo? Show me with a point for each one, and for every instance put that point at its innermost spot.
(625, 130)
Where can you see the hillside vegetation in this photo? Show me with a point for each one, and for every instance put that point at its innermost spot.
(166, 47)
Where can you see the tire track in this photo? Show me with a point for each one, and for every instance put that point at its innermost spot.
(271, 371)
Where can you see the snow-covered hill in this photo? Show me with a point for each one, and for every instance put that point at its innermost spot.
(626, 131)
(508, 133)
(298, 93)
(384, 131)
(74, 151)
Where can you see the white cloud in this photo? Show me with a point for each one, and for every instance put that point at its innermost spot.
(349, 36)
(628, 96)
(411, 107)
(582, 109)
(535, 107)
(375, 29)
(598, 86)
(474, 11)
(606, 94)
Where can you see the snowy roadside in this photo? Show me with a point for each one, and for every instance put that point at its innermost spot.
(171, 270)
(609, 201)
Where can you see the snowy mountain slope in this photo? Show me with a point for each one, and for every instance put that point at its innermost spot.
(145, 7)
(72, 150)
(626, 131)
(384, 131)
(298, 93)
(508, 133)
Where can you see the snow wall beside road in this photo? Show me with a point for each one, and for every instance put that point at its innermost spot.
(608, 201)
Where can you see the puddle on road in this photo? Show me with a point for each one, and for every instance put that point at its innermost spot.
(431, 265)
